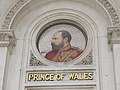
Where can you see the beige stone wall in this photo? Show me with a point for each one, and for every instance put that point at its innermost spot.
(22, 20)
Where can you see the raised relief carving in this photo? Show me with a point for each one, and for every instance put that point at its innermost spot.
(34, 61)
(7, 39)
(114, 35)
(12, 13)
(111, 11)
(88, 60)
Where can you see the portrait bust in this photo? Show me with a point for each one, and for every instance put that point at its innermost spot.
(62, 50)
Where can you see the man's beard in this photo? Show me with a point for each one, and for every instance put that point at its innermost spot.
(56, 47)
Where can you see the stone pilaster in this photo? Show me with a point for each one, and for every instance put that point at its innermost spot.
(114, 41)
(7, 42)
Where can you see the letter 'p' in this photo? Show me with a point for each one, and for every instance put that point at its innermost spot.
(30, 77)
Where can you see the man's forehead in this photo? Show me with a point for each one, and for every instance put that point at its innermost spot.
(58, 34)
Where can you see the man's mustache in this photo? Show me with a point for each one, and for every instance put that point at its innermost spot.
(53, 44)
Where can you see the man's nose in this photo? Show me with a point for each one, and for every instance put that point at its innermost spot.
(52, 41)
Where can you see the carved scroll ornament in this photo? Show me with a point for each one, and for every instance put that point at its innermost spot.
(7, 39)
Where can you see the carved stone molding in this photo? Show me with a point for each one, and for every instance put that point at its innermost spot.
(88, 60)
(113, 35)
(21, 3)
(34, 61)
(7, 39)
(111, 11)
(11, 14)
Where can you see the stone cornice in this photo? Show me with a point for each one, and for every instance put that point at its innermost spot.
(114, 35)
(7, 39)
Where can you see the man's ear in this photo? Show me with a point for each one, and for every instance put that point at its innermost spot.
(66, 39)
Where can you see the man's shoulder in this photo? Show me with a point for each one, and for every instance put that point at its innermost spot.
(51, 52)
(50, 55)
(77, 49)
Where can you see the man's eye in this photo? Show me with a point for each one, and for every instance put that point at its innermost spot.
(54, 38)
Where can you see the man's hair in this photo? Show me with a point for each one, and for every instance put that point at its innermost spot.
(66, 34)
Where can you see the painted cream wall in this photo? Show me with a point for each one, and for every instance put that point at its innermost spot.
(17, 66)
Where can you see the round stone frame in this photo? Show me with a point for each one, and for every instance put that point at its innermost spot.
(57, 18)
(58, 22)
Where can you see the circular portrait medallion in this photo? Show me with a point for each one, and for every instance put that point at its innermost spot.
(62, 43)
